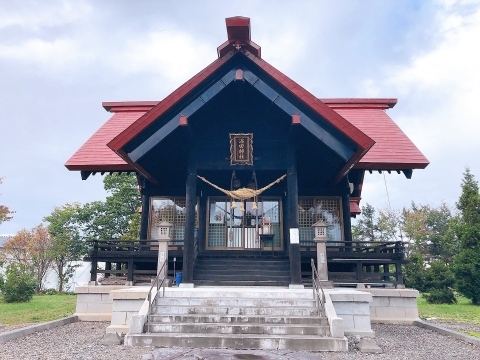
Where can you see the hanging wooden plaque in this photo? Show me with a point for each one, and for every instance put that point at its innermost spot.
(241, 149)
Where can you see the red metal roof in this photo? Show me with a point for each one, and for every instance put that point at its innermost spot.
(95, 155)
(392, 150)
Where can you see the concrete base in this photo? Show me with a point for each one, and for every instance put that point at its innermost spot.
(368, 345)
(326, 284)
(186, 285)
(94, 302)
(393, 306)
(296, 286)
(354, 308)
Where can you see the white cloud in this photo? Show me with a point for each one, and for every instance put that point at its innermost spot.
(35, 15)
(442, 85)
(48, 54)
(174, 55)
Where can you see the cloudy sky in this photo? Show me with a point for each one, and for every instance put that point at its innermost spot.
(60, 59)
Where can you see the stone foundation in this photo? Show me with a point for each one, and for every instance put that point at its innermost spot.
(393, 306)
(354, 308)
(94, 302)
(126, 303)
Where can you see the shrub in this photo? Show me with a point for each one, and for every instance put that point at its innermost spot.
(440, 296)
(414, 272)
(49, 292)
(17, 285)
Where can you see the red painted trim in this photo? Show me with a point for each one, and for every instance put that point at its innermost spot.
(183, 121)
(108, 105)
(149, 117)
(421, 164)
(239, 74)
(238, 28)
(386, 103)
(97, 168)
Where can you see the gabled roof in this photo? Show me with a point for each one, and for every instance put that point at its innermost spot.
(240, 27)
(362, 121)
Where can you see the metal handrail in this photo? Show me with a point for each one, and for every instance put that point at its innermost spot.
(317, 288)
(155, 298)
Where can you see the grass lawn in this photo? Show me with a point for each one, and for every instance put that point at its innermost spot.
(42, 308)
(463, 311)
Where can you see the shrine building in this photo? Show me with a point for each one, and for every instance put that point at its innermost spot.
(241, 165)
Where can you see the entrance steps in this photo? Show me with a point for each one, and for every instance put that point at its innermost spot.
(241, 271)
(239, 318)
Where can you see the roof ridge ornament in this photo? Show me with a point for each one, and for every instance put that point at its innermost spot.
(239, 37)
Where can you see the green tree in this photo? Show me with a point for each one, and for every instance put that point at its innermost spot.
(371, 227)
(30, 249)
(118, 214)
(67, 246)
(467, 262)
(18, 285)
(5, 212)
(430, 231)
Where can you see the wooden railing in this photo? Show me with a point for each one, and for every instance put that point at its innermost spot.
(394, 250)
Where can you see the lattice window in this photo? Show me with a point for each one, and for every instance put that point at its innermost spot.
(313, 209)
(218, 219)
(172, 210)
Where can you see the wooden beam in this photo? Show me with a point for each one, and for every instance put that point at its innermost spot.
(144, 217)
(292, 217)
(189, 239)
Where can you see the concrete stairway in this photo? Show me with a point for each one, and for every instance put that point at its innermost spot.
(240, 318)
(241, 271)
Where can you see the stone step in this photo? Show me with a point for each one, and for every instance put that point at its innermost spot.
(239, 341)
(238, 319)
(241, 277)
(242, 282)
(241, 270)
(240, 292)
(224, 310)
(241, 263)
(210, 328)
(238, 302)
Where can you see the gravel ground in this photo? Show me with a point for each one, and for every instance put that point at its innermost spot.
(81, 341)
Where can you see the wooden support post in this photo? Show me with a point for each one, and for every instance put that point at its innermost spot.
(347, 219)
(108, 266)
(189, 240)
(144, 218)
(386, 270)
(130, 272)
(93, 271)
(202, 220)
(292, 218)
(359, 271)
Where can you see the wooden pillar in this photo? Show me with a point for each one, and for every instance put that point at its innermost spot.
(202, 220)
(144, 218)
(93, 271)
(130, 272)
(108, 266)
(189, 240)
(292, 218)
(347, 218)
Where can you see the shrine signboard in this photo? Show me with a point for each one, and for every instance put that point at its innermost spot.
(241, 149)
